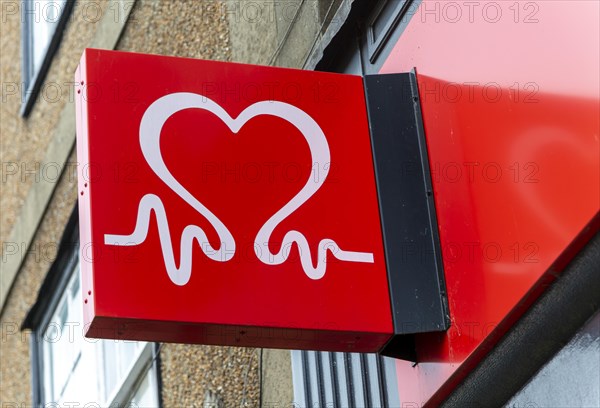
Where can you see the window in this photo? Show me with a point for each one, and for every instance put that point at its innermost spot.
(76, 369)
(381, 24)
(68, 368)
(367, 36)
(327, 379)
(43, 22)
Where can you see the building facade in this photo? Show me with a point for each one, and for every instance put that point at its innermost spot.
(510, 97)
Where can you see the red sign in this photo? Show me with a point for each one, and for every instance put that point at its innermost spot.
(230, 204)
(513, 151)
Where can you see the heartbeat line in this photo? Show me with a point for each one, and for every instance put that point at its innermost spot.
(179, 275)
(150, 129)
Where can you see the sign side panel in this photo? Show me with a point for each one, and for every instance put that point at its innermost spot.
(86, 265)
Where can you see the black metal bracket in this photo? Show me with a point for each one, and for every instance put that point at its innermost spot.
(407, 209)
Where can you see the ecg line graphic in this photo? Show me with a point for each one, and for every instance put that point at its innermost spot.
(179, 275)
(150, 129)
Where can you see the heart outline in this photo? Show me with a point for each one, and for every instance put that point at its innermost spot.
(151, 126)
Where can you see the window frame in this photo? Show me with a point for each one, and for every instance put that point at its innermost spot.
(357, 32)
(60, 298)
(31, 80)
(375, 44)
(50, 296)
(145, 362)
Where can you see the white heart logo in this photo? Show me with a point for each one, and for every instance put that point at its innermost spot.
(150, 129)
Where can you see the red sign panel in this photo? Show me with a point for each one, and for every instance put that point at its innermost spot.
(228, 204)
(512, 135)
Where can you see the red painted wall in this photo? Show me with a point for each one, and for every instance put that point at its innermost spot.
(510, 95)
